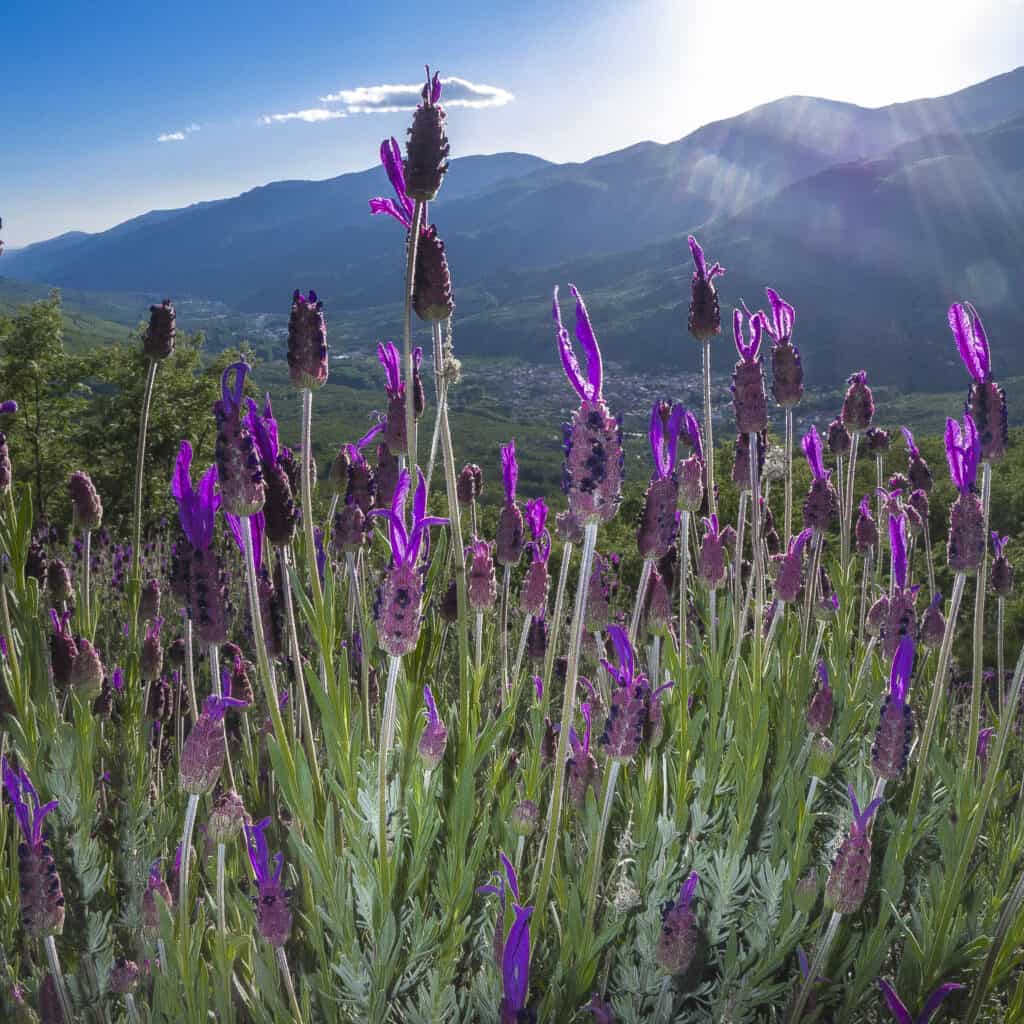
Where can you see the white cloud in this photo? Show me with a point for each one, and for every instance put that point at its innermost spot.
(387, 99)
(171, 137)
(309, 116)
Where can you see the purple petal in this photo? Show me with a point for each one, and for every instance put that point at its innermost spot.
(624, 651)
(585, 336)
(823, 676)
(387, 354)
(232, 396)
(391, 158)
(428, 698)
(510, 874)
(378, 204)
(656, 437)
(693, 432)
(902, 666)
(569, 362)
(909, 438)
(895, 1004)
(264, 430)
(435, 88)
(8, 408)
(898, 542)
(698, 257)
(368, 436)
(536, 517)
(688, 889)
(515, 961)
(509, 470)
(672, 431)
(811, 444)
(935, 1001)
(973, 350)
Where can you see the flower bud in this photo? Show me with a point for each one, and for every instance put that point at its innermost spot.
(427, 148)
(149, 600)
(787, 375)
(482, 588)
(158, 341)
(677, 942)
(307, 341)
(537, 639)
(858, 405)
(58, 582)
(124, 976)
(87, 672)
(510, 536)
(470, 484)
(86, 508)
(986, 402)
(965, 550)
(525, 818)
(432, 283)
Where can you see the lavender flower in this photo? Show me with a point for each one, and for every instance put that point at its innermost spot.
(741, 459)
(582, 773)
(848, 881)
(658, 605)
(918, 474)
(819, 712)
(593, 468)
(239, 477)
(677, 942)
(63, 649)
(281, 515)
(537, 638)
(470, 484)
(360, 485)
(933, 624)
(748, 398)
(227, 817)
(657, 528)
(151, 662)
(394, 429)
(510, 536)
(385, 476)
(787, 371)
(858, 404)
(156, 887)
(158, 341)
(690, 471)
(86, 507)
(87, 671)
(789, 581)
(398, 608)
(705, 319)
(984, 739)
(865, 530)
(1002, 570)
(631, 701)
(966, 547)
(6, 469)
(434, 737)
(838, 439)
(197, 575)
(202, 756)
(307, 341)
(711, 568)
(482, 588)
(891, 748)
(899, 1010)
(533, 595)
(878, 441)
(273, 916)
(821, 505)
(426, 150)
(432, 281)
(41, 898)
(124, 976)
(986, 400)
(149, 600)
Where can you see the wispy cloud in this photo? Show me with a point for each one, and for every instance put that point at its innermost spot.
(309, 116)
(386, 99)
(178, 136)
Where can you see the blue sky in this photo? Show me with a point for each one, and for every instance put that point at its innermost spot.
(89, 87)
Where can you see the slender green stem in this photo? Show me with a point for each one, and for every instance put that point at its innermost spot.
(130, 1008)
(140, 459)
(811, 587)
(755, 542)
(865, 581)
(479, 635)
(410, 272)
(1000, 662)
(641, 594)
(737, 565)
(506, 586)
(930, 558)
(684, 565)
(286, 974)
(86, 580)
(851, 485)
(820, 955)
(978, 681)
(184, 908)
(58, 977)
(364, 661)
(521, 649)
(938, 687)
(568, 710)
(1006, 920)
(594, 869)
(222, 918)
(709, 444)
(190, 670)
(307, 495)
(387, 736)
(789, 476)
(556, 618)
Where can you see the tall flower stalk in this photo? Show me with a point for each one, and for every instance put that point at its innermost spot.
(593, 483)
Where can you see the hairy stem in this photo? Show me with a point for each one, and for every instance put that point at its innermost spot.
(307, 495)
(58, 978)
(140, 459)
(286, 974)
(594, 870)
(820, 955)
(387, 736)
(709, 445)
(789, 477)
(186, 856)
(638, 604)
(977, 675)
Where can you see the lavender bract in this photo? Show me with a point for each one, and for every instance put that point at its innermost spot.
(749, 401)
(656, 531)
(891, 748)
(273, 915)
(986, 400)
(510, 538)
(787, 371)
(533, 595)
(819, 712)
(899, 1010)
(239, 478)
(628, 714)
(821, 505)
(307, 341)
(677, 940)
(966, 545)
(848, 881)
(434, 737)
(705, 318)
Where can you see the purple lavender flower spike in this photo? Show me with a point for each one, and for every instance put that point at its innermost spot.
(307, 341)
(533, 594)
(593, 468)
(582, 770)
(202, 756)
(602, 1011)
(821, 504)
(515, 968)
(196, 508)
(656, 531)
(280, 511)
(395, 427)
(984, 739)
(965, 549)
(273, 916)
(156, 886)
(705, 320)
(427, 148)
(482, 587)
(819, 712)
(790, 575)
(986, 400)
(434, 737)
(711, 568)
(8, 408)
(865, 530)
(41, 899)
(858, 404)
(398, 607)
(1002, 572)
(848, 881)
(629, 713)
(748, 350)
(787, 371)
(677, 941)
(510, 538)
(238, 468)
(899, 1010)
(891, 748)
(749, 401)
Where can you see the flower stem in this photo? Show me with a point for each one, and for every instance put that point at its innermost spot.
(684, 565)
(851, 484)
(86, 579)
(611, 778)
(737, 569)
(556, 619)
(387, 735)
(186, 856)
(820, 955)
(938, 686)
(638, 604)
(506, 586)
(929, 558)
(568, 710)
(307, 495)
(789, 476)
(190, 671)
(479, 635)
(521, 650)
(709, 445)
(755, 541)
(979, 623)
(289, 985)
(222, 918)
(364, 663)
(131, 1008)
(140, 459)
(811, 587)
(410, 272)
(58, 977)
(865, 580)
(1000, 663)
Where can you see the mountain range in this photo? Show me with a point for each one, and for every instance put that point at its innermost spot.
(871, 221)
